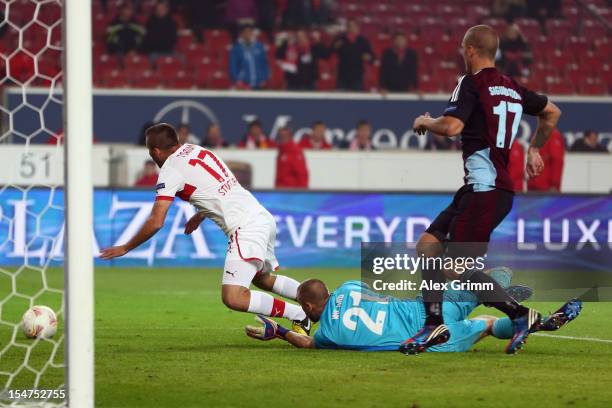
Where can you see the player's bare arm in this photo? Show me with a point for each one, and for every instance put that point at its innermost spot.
(300, 340)
(194, 222)
(547, 121)
(153, 224)
(448, 126)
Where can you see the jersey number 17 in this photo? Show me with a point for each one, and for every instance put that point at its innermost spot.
(201, 161)
(502, 110)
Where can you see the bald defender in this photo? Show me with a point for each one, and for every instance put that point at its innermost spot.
(485, 109)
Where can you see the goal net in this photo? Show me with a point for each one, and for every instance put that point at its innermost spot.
(33, 243)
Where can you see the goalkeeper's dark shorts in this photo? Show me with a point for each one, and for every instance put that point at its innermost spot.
(472, 217)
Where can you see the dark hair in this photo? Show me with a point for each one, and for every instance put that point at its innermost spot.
(398, 34)
(255, 122)
(362, 122)
(183, 125)
(588, 132)
(162, 136)
(245, 25)
(318, 123)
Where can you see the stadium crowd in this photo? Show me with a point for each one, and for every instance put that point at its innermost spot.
(356, 46)
(382, 45)
(292, 169)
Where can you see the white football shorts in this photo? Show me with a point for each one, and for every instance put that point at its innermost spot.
(250, 250)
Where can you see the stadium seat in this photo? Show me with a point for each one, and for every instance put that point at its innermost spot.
(116, 79)
(606, 75)
(100, 23)
(574, 73)
(216, 40)
(146, 79)
(218, 80)
(184, 40)
(559, 87)
(107, 62)
(194, 54)
(326, 82)
(593, 30)
(457, 27)
(277, 77)
(577, 46)
(370, 80)
(603, 47)
(560, 59)
(432, 28)
(428, 84)
(529, 27)
(593, 86)
(559, 28)
(499, 24)
(168, 66)
(136, 62)
(181, 80)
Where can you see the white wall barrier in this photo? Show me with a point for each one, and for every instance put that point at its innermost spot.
(44, 165)
(121, 165)
(381, 170)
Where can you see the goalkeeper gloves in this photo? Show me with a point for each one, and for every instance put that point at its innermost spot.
(269, 329)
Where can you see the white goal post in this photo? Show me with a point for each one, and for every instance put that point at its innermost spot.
(78, 204)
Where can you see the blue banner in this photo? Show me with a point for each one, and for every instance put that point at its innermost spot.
(391, 118)
(314, 229)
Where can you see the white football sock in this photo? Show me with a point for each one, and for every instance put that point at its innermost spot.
(267, 305)
(260, 303)
(286, 287)
(294, 312)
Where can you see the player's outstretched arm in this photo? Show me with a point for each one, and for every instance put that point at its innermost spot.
(448, 126)
(194, 222)
(153, 224)
(547, 121)
(300, 340)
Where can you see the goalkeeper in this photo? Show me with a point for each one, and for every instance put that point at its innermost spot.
(353, 317)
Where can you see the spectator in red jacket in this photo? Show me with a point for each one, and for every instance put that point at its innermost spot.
(149, 175)
(552, 153)
(316, 139)
(256, 138)
(291, 170)
(516, 166)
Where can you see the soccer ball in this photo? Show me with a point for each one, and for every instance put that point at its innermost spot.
(39, 322)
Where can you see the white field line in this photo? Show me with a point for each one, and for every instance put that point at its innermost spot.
(556, 336)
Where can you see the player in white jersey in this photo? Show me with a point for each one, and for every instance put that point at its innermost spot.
(197, 175)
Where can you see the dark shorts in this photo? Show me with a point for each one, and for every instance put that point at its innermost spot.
(472, 216)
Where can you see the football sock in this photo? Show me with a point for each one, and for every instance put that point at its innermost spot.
(432, 298)
(286, 287)
(502, 328)
(260, 303)
(497, 298)
(265, 304)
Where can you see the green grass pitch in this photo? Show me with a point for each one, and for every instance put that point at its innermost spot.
(164, 339)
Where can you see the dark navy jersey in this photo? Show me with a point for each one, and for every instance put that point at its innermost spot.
(490, 105)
